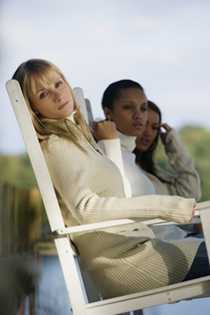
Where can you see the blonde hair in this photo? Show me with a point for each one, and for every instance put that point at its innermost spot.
(28, 74)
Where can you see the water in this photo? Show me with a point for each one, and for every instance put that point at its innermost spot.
(52, 297)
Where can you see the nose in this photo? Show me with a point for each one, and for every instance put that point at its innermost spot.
(57, 96)
(147, 131)
(137, 115)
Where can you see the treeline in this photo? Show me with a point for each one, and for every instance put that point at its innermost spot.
(197, 141)
(17, 169)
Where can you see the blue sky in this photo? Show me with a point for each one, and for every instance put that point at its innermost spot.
(164, 45)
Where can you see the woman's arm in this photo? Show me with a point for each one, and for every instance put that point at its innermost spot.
(70, 174)
(106, 134)
(112, 150)
(186, 181)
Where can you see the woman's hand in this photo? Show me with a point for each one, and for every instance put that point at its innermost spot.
(164, 130)
(104, 130)
(193, 210)
(183, 210)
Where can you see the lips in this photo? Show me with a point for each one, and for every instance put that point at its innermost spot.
(138, 125)
(62, 106)
(145, 141)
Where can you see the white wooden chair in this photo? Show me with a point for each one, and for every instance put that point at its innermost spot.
(84, 104)
(68, 257)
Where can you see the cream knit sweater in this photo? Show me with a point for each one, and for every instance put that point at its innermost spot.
(123, 259)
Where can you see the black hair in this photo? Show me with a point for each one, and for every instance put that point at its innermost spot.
(146, 159)
(112, 92)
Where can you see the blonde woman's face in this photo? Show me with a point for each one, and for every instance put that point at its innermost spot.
(53, 99)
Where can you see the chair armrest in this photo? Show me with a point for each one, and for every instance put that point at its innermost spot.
(106, 224)
(93, 226)
(202, 206)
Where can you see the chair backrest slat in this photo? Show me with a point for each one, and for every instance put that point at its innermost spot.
(36, 156)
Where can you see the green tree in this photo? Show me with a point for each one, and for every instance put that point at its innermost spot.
(197, 141)
(17, 170)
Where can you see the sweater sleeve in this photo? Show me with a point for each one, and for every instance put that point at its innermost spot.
(186, 181)
(69, 175)
(112, 150)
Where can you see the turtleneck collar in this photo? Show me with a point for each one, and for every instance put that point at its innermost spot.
(127, 142)
(70, 117)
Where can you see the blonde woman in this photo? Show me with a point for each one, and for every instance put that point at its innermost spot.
(124, 259)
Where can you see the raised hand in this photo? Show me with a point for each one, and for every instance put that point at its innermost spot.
(164, 129)
(104, 130)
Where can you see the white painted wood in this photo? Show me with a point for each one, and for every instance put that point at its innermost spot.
(67, 256)
(80, 100)
(166, 295)
(205, 220)
(107, 224)
(89, 111)
(72, 275)
(35, 154)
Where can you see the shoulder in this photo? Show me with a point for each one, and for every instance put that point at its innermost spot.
(50, 144)
(54, 142)
(59, 149)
